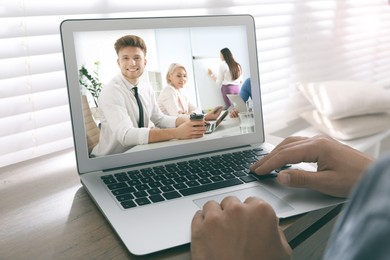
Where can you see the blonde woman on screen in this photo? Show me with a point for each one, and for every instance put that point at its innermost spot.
(172, 99)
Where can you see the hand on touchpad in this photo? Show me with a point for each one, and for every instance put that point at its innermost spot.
(277, 203)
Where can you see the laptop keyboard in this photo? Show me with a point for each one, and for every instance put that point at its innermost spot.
(161, 183)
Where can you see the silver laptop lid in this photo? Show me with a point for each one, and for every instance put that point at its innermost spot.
(194, 41)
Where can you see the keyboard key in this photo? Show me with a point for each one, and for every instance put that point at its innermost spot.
(248, 178)
(179, 186)
(227, 176)
(122, 178)
(251, 160)
(140, 194)
(260, 153)
(192, 177)
(216, 178)
(133, 182)
(183, 173)
(204, 181)
(227, 170)
(266, 176)
(192, 183)
(240, 173)
(206, 168)
(124, 197)
(123, 191)
(238, 167)
(153, 191)
(142, 201)
(117, 186)
(204, 174)
(167, 188)
(172, 175)
(156, 198)
(134, 175)
(120, 174)
(146, 171)
(172, 169)
(180, 179)
(109, 180)
(159, 171)
(128, 204)
(215, 172)
(155, 184)
(171, 195)
(146, 179)
(142, 187)
(159, 177)
(168, 182)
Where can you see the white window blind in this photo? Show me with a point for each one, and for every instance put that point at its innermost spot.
(298, 40)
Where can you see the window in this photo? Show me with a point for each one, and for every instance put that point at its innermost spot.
(298, 40)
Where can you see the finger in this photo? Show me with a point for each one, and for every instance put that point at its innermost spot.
(296, 178)
(197, 220)
(199, 123)
(286, 143)
(198, 128)
(229, 200)
(262, 207)
(289, 142)
(323, 181)
(253, 199)
(197, 133)
(302, 151)
(211, 205)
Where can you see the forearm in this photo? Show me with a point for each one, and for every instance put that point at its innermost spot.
(158, 135)
(181, 120)
(211, 74)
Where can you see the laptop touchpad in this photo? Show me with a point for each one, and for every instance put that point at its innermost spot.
(277, 203)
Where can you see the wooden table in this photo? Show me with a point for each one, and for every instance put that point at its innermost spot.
(47, 214)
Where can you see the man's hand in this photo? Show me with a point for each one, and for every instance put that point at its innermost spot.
(236, 230)
(191, 129)
(339, 166)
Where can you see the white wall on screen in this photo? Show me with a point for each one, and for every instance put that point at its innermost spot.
(197, 49)
(99, 46)
(207, 44)
(174, 46)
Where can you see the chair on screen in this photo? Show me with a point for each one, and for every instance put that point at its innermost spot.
(92, 130)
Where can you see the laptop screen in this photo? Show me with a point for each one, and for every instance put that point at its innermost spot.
(195, 43)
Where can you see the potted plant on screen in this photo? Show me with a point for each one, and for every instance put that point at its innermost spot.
(90, 81)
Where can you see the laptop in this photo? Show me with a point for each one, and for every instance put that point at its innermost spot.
(237, 102)
(150, 193)
(212, 125)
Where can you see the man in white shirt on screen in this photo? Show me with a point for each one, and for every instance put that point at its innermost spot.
(126, 121)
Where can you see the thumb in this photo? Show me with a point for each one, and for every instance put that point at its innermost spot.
(296, 178)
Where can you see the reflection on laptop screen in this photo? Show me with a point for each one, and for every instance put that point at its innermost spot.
(196, 47)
